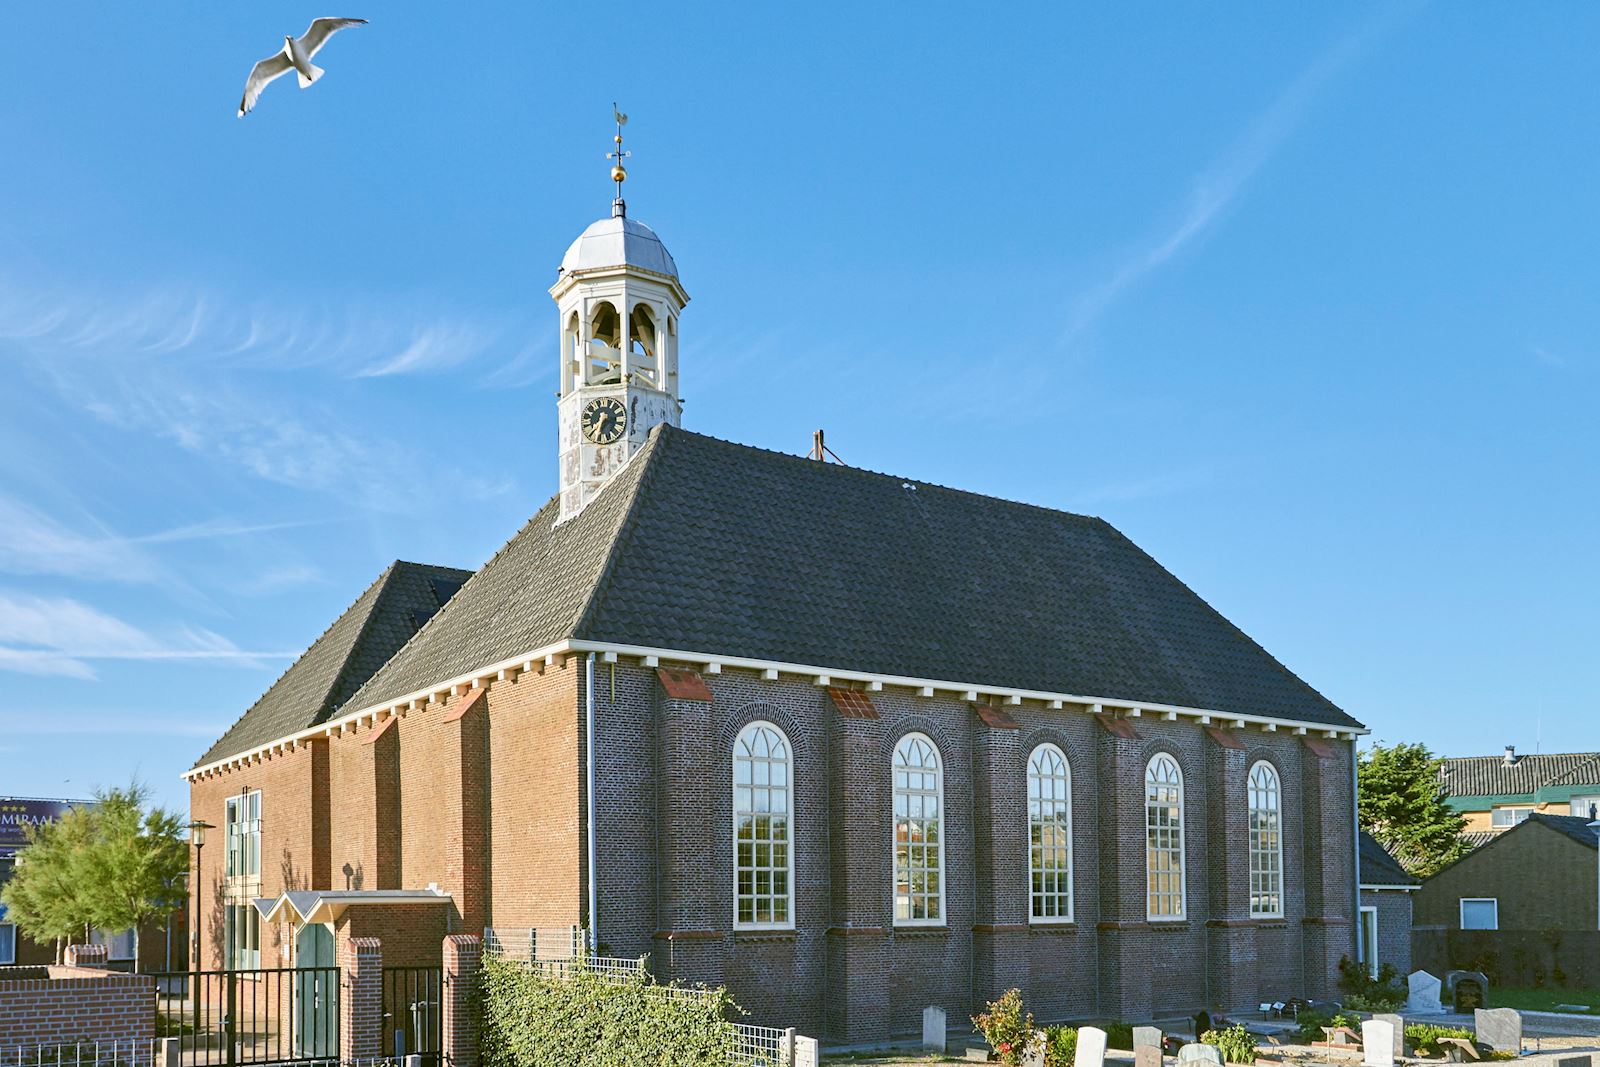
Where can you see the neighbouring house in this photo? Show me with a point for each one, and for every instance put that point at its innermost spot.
(161, 943)
(1387, 889)
(1524, 908)
(1495, 793)
(847, 743)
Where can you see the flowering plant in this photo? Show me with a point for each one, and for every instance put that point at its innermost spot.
(1008, 1029)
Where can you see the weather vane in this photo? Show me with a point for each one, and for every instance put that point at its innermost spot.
(619, 208)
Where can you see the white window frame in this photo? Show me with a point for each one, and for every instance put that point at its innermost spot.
(739, 744)
(1151, 804)
(13, 958)
(1274, 875)
(250, 829)
(1462, 913)
(937, 898)
(1513, 810)
(1063, 893)
(1371, 943)
(236, 956)
(1585, 799)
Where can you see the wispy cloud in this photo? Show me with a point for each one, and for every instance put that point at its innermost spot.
(1216, 187)
(98, 723)
(62, 637)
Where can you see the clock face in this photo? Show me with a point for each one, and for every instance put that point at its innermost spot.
(605, 420)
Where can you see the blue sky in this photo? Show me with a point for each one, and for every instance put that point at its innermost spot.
(1302, 298)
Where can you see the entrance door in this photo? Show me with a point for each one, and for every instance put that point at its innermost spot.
(316, 993)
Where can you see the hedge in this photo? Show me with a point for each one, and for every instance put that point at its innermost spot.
(534, 1017)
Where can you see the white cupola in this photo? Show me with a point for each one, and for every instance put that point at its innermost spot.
(619, 298)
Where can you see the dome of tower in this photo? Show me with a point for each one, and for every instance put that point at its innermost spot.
(616, 242)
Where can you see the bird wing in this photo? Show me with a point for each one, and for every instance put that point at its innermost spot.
(274, 66)
(320, 30)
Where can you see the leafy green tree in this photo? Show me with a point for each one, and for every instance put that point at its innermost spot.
(112, 864)
(1401, 801)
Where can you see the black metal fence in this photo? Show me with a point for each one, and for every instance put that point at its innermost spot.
(250, 1018)
(413, 1011)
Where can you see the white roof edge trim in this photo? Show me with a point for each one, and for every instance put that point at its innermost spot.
(1374, 887)
(813, 670)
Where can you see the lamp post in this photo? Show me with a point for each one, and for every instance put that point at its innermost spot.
(197, 834)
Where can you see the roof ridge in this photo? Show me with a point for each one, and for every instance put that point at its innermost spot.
(600, 588)
(387, 578)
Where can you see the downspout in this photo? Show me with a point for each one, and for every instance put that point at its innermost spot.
(594, 867)
(1355, 851)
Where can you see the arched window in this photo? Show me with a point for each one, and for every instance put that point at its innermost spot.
(603, 361)
(1050, 835)
(918, 832)
(1266, 841)
(762, 829)
(1163, 850)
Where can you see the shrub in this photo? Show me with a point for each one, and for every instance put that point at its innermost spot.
(1236, 1044)
(1424, 1037)
(1119, 1035)
(1060, 1046)
(1366, 993)
(534, 1018)
(1007, 1028)
(1312, 1022)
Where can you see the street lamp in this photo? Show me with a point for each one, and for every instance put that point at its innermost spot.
(197, 834)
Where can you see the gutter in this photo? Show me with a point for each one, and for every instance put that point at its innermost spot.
(1355, 850)
(594, 867)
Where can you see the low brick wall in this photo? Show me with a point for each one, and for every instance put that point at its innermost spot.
(72, 1004)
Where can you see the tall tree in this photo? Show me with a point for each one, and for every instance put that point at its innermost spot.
(135, 859)
(1402, 803)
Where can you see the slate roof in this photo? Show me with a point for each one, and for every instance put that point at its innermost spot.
(1573, 826)
(1492, 776)
(1379, 867)
(706, 546)
(382, 619)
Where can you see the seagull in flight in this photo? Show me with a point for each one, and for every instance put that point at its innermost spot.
(296, 56)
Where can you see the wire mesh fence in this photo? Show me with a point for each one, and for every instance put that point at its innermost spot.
(81, 1054)
(762, 1046)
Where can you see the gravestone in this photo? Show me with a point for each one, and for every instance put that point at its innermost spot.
(1034, 1056)
(1399, 1025)
(1377, 1043)
(933, 1028)
(1147, 1046)
(1091, 1047)
(1196, 1053)
(1423, 998)
(1499, 1028)
(806, 1053)
(1466, 991)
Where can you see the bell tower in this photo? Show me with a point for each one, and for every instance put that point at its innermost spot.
(619, 298)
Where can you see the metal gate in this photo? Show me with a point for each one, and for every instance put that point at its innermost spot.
(413, 1004)
(250, 1018)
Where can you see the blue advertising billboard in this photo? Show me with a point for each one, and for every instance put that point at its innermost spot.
(18, 813)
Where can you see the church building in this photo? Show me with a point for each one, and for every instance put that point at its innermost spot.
(847, 743)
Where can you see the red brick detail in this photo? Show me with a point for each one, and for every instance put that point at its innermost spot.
(361, 999)
(683, 685)
(1225, 738)
(856, 931)
(852, 703)
(688, 935)
(1318, 747)
(463, 957)
(995, 717)
(468, 701)
(382, 728)
(77, 1005)
(1117, 727)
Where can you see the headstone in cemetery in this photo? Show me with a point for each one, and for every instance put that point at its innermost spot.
(1466, 991)
(1423, 998)
(1574, 1061)
(1200, 1055)
(1399, 1025)
(1202, 1023)
(1034, 1056)
(1147, 1046)
(1499, 1028)
(1091, 1047)
(933, 1028)
(977, 1055)
(806, 1052)
(1377, 1043)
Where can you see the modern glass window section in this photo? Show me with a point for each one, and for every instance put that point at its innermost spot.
(918, 833)
(1050, 835)
(244, 836)
(1266, 841)
(1163, 810)
(763, 893)
(8, 943)
(242, 929)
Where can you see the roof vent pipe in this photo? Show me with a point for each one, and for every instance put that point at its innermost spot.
(1511, 754)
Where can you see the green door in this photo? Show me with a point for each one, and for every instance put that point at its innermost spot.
(316, 994)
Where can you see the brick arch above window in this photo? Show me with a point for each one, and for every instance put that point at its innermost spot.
(762, 711)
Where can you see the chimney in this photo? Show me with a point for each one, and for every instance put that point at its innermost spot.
(1511, 754)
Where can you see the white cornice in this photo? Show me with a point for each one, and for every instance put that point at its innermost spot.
(483, 677)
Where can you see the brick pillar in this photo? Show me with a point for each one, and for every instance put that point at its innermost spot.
(1000, 838)
(857, 993)
(1126, 943)
(86, 955)
(690, 946)
(463, 956)
(361, 998)
(1329, 867)
(1230, 932)
(377, 772)
(464, 762)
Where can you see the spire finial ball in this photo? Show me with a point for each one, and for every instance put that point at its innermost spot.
(618, 174)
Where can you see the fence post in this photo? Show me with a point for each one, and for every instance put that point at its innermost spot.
(171, 1052)
(361, 1000)
(786, 1053)
(463, 957)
